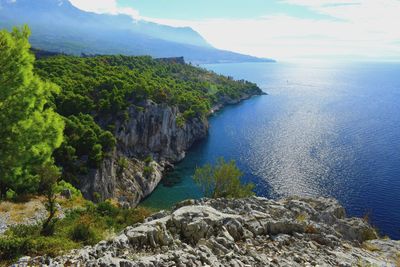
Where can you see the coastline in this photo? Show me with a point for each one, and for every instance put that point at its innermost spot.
(167, 194)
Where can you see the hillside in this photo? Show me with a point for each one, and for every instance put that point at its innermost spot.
(74, 31)
(129, 118)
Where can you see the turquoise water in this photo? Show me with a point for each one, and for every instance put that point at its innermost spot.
(322, 130)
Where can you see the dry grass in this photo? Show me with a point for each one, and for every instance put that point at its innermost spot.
(370, 247)
(19, 211)
(74, 203)
(301, 217)
(5, 207)
(397, 261)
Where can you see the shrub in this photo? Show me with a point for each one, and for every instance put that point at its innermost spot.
(10, 194)
(51, 246)
(63, 185)
(180, 121)
(147, 171)
(95, 156)
(131, 216)
(107, 140)
(122, 164)
(222, 180)
(12, 247)
(22, 230)
(106, 209)
(148, 160)
(82, 232)
(96, 196)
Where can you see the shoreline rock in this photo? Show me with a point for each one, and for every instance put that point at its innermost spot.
(245, 232)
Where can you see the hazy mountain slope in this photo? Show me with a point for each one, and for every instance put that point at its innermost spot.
(59, 26)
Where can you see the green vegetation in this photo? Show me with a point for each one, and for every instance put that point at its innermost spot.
(222, 180)
(85, 226)
(50, 175)
(30, 129)
(97, 92)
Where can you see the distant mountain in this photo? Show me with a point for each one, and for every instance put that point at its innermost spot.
(58, 26)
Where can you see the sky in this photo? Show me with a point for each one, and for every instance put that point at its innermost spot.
(280, 29)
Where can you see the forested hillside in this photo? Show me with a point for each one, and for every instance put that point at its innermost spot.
(96, 92)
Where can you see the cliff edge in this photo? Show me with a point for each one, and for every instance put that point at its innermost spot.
(152, 131)
(247, 232)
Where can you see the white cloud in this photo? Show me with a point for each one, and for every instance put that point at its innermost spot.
(104, 6)
(357, 29)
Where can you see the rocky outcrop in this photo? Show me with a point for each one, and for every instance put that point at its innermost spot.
(127, 180)
(25, 213)
(226, 100)
(248, 232)
(149, 131)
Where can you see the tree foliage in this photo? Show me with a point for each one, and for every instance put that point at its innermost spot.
(30, 129)
(97, 91)
(222, 180)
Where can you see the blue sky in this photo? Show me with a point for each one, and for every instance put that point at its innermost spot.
(281, 29)
(209, 9)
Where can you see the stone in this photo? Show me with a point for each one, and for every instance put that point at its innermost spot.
(221, 232)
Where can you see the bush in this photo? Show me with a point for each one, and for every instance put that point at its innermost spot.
(95, 156)
(12, 247)
(147, 171)
(82, 232)
(10, 195)
(63, 185)
(106, 209)
(122, 164)
(148, 160)
(222, 180)
(180, 121)
(22, 230)
(51, 246)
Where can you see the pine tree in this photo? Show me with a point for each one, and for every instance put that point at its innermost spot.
(29, 128)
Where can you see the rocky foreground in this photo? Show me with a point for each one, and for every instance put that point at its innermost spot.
(248, 232)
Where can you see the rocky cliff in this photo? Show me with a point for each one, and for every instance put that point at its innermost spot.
(247, 232)
(150, 131)
(154, 131)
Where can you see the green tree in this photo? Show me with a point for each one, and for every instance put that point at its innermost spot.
(49, 175)
(222, 180)
(30, 130)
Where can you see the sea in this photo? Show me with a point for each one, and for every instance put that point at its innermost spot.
(323, 129)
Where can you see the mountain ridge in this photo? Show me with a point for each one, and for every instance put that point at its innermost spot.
(58, 26)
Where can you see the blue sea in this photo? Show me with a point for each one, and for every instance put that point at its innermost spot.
(323, 130)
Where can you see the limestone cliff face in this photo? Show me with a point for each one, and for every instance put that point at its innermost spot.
(154, 131)
(150, 130)
(123, 179)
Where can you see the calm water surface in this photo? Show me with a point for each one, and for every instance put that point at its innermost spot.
(322, 130)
